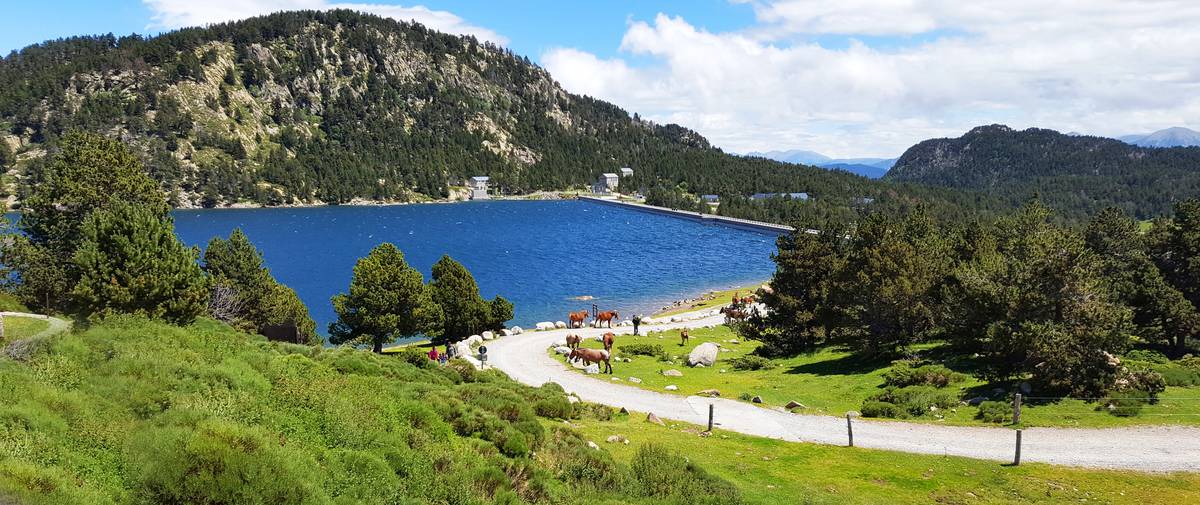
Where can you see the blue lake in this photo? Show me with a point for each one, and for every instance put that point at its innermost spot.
(538, 254)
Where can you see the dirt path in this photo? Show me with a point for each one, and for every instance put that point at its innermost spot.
(1154, 449)
(55, 324)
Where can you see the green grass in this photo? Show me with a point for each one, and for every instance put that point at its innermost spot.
(718, 299)
(772, 471)
(22, 327)
(833, 382)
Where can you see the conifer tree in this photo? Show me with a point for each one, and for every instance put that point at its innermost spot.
(387, 300)
(261, 299)
(464, 312)
(131, 262)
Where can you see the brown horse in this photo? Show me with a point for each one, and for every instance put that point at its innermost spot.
(608, 341)
(590, 356)
(683, 336)
(577, 318)
(573, 341)
(747, 300)
(606, 317)
(733, 314)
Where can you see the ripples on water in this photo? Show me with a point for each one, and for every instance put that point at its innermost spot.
(538, 254)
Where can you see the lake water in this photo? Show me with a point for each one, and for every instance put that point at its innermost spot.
(538, 254)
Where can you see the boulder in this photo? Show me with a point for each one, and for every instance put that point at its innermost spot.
(615, 379)
(711, 393)
(756, 399)
(635, 380)
(462, 348)
(794, 404)
(676, 319)
(672, 373)
(505, 332)
(474, 340)
(651, 418)
(560, 324)
(562, 342)
(487, 335)
(563, 350)
(616, 439)
(592, 369)
(672, 387)
(704, 354)
(593, 445)
(516, 330)
(974, 402)
(572, 399)
(544, 325)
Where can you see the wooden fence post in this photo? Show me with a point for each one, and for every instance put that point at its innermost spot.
(1017, 409)
(710, 417)
(1017, 456)
(849, 429)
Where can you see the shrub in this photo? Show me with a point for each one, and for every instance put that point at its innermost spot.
(917, 400)
(668, 477)
(751, 362)
(1190, 362)
(1146, 355)
(652, 350)
(905, 374)
(413, 355)
(1179, 376)
(994, 412)
(872, 408)
(1136, 378)
(1125, 403)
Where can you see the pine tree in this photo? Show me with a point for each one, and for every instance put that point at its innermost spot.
(455, 291)
(387, 300)
(501, 311)
(131, 262)
(262, 300)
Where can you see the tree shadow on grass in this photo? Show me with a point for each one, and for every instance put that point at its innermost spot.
(851, 364)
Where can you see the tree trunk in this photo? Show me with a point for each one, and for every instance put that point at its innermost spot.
(378, 347)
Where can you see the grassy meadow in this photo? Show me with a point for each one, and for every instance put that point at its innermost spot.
(832, 381)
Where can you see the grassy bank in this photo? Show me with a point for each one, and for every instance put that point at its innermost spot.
(833, 382)
(711, 300)
(22, 327)
(775, 472)
(132, 411)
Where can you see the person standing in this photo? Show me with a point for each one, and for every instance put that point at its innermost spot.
(433, 354)
(637, 321)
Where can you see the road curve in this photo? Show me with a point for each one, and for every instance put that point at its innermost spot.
(1151, 449)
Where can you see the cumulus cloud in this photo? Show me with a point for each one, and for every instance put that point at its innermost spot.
(180, 13)
(871, 77)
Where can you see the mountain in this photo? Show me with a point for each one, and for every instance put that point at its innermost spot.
(872, 168)
(336, 106)
(797, 156)
(1177, 136)
(1078, 175)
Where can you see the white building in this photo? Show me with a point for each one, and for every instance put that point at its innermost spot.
(479, 187)
(626, 172)
(607, 183)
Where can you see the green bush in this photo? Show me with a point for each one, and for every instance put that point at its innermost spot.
(917, 401)
(1146, 355)
(1190, 362)
(1140, 378)
(1179, 376)
(751, 362)
(994, 412)
(652, 350)
(1125, 403)
(663, 475)
(873, 408)
(905, 374)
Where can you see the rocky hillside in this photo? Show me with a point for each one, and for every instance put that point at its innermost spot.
(337, 106)
(1077, 175)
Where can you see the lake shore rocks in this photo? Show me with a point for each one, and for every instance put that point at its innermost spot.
(544, 325)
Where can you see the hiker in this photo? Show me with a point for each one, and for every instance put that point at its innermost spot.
(433, 354)
(637, 320)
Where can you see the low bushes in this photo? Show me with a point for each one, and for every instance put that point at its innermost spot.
(652, 350)
(907, 373)
(994, 412)
(911, 401)
(751, 362)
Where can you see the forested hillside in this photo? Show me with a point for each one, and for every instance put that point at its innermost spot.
(312, 107)
(1078, 175)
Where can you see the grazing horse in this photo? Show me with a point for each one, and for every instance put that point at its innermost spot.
(747, 300)
(683, 336)
(573, 341)
(608, 341)
(735, 299)
(590, 356)
(733, 314)
(606, 317)
(577, 318)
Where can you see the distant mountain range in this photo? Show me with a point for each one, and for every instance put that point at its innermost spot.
(1171, 137)
(873, 168)
(1076, 174)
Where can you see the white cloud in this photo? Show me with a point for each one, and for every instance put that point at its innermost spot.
(180, 13)
(910, 70)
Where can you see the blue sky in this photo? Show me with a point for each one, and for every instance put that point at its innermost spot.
(531, 26)
(847, 78)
